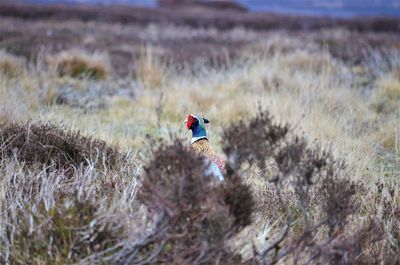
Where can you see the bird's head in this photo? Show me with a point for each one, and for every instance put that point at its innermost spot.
(197, 125)
(193, 121)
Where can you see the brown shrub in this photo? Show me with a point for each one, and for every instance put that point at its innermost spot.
(302, 167)
(47, 144)
(338, 201)
(352, 248)
(198, 213)
(175, 169)
(253, 141)
(315, 178)
(239, 198)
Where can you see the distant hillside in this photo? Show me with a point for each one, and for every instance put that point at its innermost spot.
(334, 8)
(194, 17)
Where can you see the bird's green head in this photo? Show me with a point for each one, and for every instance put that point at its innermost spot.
(197, 124)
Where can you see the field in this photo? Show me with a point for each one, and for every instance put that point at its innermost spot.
(95, 165)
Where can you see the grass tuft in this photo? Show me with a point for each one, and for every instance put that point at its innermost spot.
(11, 66)
(149, 68)
(386, 96)
(68, 233)
(81, 64)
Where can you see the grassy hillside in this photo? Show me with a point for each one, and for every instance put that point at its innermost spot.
(91, 170)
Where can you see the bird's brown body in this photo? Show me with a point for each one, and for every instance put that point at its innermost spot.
(204, 148)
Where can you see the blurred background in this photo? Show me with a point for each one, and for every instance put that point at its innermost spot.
(125, 26)
(337, 8)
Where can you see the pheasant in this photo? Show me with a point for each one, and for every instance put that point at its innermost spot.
(200, 144)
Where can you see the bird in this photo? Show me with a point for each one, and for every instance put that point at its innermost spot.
(201, 145)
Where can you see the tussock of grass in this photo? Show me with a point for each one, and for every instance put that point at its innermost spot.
(387, 95)
(319, 63)
(80, 64)
(16, 102)
(11, 66)
(69, 234)
(150, 69)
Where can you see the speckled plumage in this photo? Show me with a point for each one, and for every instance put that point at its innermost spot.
(204, 148)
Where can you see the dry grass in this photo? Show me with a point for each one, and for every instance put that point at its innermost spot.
(150, 69)
(350, 111)
(11, 66)
(387, 95)
(80, 64)
(15, 101)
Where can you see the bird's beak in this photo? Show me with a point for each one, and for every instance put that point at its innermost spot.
(185, 121)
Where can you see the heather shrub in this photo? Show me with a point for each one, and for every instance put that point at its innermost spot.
(60, 213)
(311, 190)
(47, 144)
(240, 200)
(307, 186)
(176, 188)
(351, 248)
(337, 201)
(196, 213)
(252, 141)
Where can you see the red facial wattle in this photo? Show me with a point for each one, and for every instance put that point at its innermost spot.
(190, 121)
